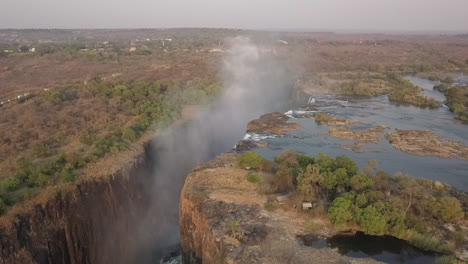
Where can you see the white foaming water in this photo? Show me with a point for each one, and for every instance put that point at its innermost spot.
(296, 113)
(258, 137)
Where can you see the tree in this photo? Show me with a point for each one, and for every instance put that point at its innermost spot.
(346, 163)
(340, 212)
(250, 159)
(448, 209)
(342, 179)
(360, 182)
(305, 160)
(309, 182)
(373, 221)
(325, 162)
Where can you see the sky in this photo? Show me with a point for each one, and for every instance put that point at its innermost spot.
(379, 15)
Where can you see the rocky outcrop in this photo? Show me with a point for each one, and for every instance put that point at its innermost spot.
(426, 143)
(361, 137)
(83, 223)
(223, 219)
(272, 123)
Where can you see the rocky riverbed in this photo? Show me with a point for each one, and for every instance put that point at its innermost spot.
(426, 143)
(272, 123)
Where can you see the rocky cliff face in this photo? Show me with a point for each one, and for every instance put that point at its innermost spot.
(76, 224)
(223, 220)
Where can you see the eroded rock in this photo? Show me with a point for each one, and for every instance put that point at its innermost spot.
(426, 143)
(272, 123)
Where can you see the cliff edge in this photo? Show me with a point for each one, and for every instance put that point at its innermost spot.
(223, 219)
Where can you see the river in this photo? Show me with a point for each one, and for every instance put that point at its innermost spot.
(373, 111)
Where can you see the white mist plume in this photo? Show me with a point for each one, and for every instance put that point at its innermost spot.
(253, 85)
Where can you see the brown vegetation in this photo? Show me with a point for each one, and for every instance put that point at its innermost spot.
(274, 123)
(426, 143)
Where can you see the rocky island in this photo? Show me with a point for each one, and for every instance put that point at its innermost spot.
(426, 143)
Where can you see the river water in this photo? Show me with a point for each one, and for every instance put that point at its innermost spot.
(382, 248)
(373, 111)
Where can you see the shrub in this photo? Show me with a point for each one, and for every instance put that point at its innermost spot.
(312, 226)
(26, 194)
(250, 159)
(431, 243)
(234, 227)
(68, 174)
(2, 207)
(448, 209)
(10, 184)
(42, 151)
(447, 260)
(287, 159)
(270, 206)
(283, 180)
(253, 177)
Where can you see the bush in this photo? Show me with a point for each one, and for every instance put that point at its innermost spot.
(68, 174)
(10, 184)
(287, 159)
(270, 206)
(2, 207)
(447, 260)
(253, 177)
(250, 159)
(42, 151)
(431, 243)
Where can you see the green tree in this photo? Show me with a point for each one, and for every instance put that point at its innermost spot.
(340, 212)
(309, 182)
(448, 209)
(346, 163)
(250, 159)
(360, 182)
(325, 162)
(305, 160)
(373, 221)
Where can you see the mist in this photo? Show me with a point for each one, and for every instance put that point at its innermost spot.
(254, 83)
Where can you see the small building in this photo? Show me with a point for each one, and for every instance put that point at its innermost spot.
(307, 205)
(132, 49)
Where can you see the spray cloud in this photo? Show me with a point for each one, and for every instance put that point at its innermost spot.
(253, 85)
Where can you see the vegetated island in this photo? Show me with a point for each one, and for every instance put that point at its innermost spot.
(457, 98)
(426, 143)
(231, 214)
(272, 123)
(344, 132)
(406, 92)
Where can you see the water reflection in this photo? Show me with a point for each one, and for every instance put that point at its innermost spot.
(382, 248)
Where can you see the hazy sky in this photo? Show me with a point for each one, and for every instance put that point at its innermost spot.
(258, 14)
